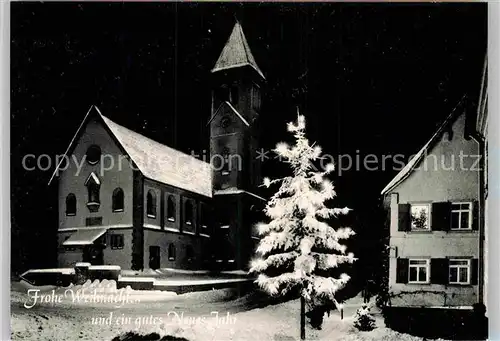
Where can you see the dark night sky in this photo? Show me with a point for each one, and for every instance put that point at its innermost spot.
(369, 78)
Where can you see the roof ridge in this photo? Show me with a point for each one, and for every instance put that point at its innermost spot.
(151, 140)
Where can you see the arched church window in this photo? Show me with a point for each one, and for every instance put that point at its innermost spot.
(170, 208)
(71, 204)
(118, 200)
(151, 204)
(93, 184)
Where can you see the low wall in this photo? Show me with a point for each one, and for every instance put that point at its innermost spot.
(77, 275)
(454, 324)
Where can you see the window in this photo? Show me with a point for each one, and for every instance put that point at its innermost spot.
(419, 216)
(116, 241)
(71, 204)
(93, 184)
(204, 217)
(118, 200)
(93, 221)
(461, 216)
(225, 162)
(418, 271)
(93, 155)
(171, 252)
(189, 253)
(171, 208)
(459, 271)
(234, 94)
(151, 204)
(188, 216)
(221, 94)
(256, 100)
(68, 248)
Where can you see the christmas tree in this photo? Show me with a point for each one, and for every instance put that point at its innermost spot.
(298, 246)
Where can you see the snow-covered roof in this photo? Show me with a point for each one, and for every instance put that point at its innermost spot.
(155, 160)
(410, 166)
(233, 109)
(236, 53)
(233, 190)
(84, 237)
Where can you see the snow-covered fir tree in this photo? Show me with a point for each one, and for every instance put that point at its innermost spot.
(298, 247)
(363, 319)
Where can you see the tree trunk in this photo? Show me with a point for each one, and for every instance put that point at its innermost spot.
(302, 318)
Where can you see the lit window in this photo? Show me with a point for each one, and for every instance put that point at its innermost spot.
(420, 217)
(151, 204)
(459, 271)
(71, 204)
(418, 271)
(461, 216)
(118, 200)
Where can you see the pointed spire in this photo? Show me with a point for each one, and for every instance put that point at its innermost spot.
(236, 52)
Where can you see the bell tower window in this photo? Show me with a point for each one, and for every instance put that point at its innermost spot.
(233, 95)
(93, 184)
(221, 95)
(225, 162)
(256, 98)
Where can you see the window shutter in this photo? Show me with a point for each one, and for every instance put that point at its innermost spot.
(474, 273)
(441, 213)
(440, 271)
(402, 270)
(404, 217)
(475, 215)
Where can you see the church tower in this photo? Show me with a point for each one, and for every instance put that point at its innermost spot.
(237, 83)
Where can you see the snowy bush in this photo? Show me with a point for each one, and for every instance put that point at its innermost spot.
(363, 319)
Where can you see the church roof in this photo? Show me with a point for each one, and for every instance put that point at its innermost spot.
(236, 53)
(154, 160)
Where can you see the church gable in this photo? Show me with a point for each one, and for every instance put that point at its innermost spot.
(154, 160)
(227, 120)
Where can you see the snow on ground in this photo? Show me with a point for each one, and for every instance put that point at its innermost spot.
(216, 315)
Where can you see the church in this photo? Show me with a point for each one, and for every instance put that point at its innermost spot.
(130, 201)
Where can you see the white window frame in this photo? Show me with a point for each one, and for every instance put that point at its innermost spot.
(429, 210)
(459, 211)
(458, 267)
(427, 267)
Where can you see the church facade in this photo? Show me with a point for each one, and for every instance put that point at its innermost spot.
(130, 201)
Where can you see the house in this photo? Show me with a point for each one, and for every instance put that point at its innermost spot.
(481, 135)
(436, 230)
(127, 200)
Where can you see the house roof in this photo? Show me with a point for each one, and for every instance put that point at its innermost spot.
(226, 103)
(155, 160)
(236, 53)
(415, 160)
